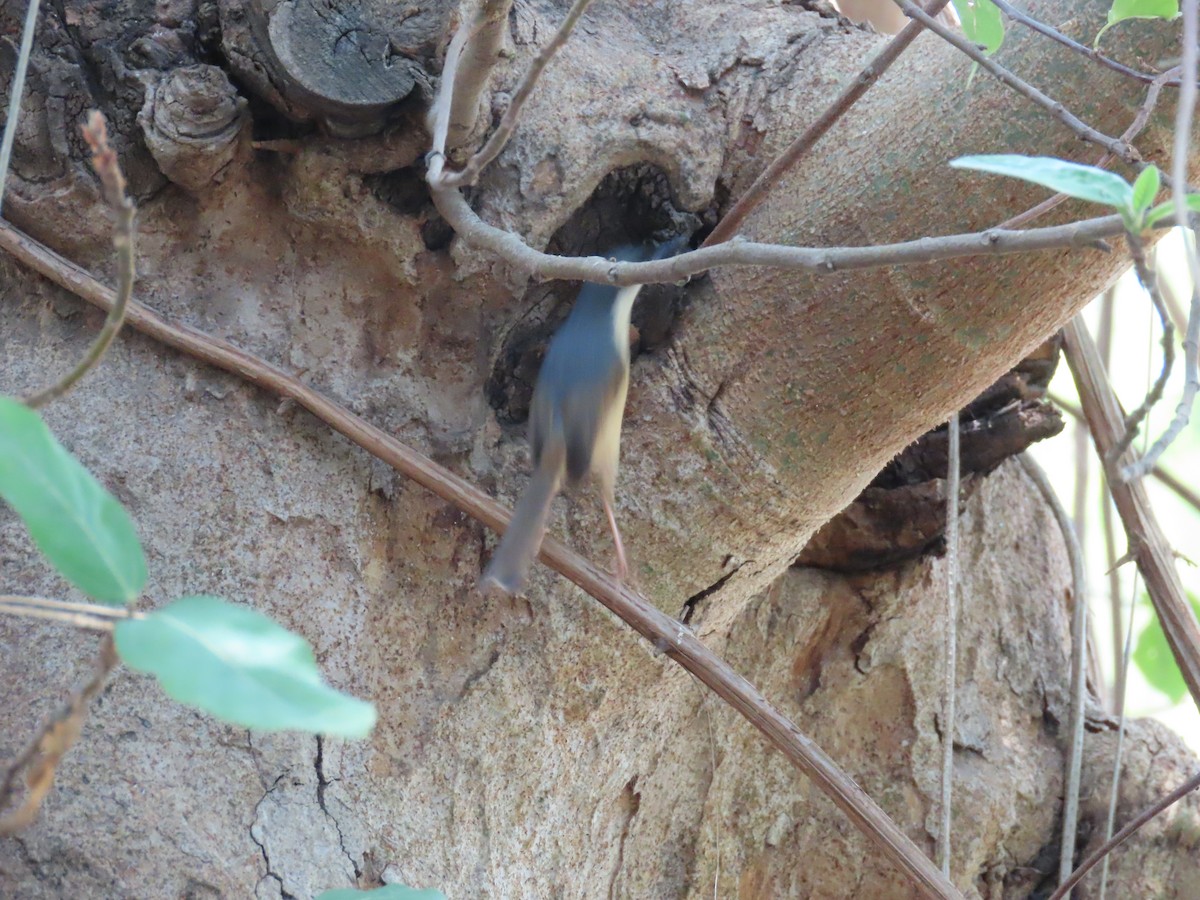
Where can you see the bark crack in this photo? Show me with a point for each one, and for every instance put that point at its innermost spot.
(630, 801)
(256, 831)
(690, 604)
(322, 784)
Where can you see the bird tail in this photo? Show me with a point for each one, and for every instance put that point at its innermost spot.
(522, 539)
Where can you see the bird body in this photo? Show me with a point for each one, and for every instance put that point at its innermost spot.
(574, 421)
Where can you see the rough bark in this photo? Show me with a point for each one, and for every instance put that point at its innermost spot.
(532, 747)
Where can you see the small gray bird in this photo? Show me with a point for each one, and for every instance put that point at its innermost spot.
(575, 419)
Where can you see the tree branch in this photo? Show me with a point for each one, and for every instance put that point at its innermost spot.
(16, 91)
(1182, 490)
(1149, 281)
(79, 620)
(95, 610)
(664, 632)
(1140, 119)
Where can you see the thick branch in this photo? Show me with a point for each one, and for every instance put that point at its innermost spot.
(1146, 539)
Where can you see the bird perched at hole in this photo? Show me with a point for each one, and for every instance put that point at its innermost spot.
(575, 418)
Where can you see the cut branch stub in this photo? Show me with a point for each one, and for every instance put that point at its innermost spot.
(346, 63)
(191, 120)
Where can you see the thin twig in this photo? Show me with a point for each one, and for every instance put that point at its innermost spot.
(1146, 540)
(1149, 281)
(1042, 28)
(499, 138)
(79, 620)
(1105, 347)
(950, 651)
(1114, 785)
(487, 37)
(1183, 412)
(43, 753)
(818, 260)
(870, 74)
(1140, 119)
(90, 609)
(1125, 833)
(661, 630)
(1120, 148)
(439, 112)
(1114, 788)
(1079, 609)
(1112, 572)
(1182, 490)
(16, 91)
(1079, 519)
(104, 161)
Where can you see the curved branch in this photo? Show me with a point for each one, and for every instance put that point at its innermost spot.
(1125, 834)
(1086, 233)
(666, 634)
(1149, 281)
(52, 741)
(1079, 631)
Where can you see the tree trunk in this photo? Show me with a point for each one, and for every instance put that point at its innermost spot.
(536, 747)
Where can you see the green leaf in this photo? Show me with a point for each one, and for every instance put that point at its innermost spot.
(1155, 661)
(80, 527)
(1145, 189)
(1137, 9)
(981, 23)
(240, 666)
(1163, 210)
(388, 892)
(1072, 179)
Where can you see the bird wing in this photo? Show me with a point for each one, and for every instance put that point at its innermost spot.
(591, 419)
